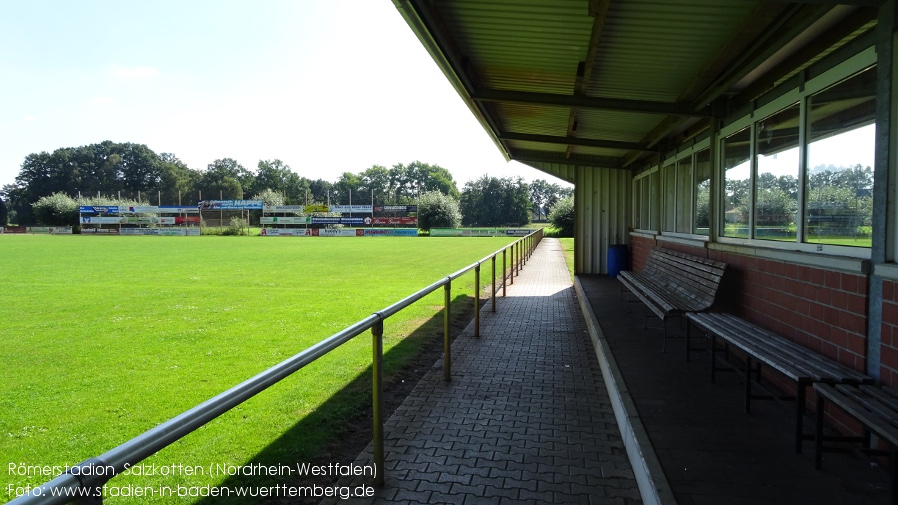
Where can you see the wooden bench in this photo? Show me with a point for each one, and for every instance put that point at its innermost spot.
(761, 347)
(875, 408)
(673, 283)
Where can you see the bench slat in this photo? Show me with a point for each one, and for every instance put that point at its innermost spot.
(790, 358)
(672, 282)
(847, 401)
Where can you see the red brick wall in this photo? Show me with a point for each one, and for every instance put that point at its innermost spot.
(889, 349)
(639, 251)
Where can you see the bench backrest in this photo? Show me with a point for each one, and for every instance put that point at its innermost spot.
(686, 274)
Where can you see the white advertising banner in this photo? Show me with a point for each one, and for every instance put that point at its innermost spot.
(351, 208)
(339, 232)
(101, 219)
(284, 220)
(285, 232)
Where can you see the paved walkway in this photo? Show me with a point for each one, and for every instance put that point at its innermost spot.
(526, 417)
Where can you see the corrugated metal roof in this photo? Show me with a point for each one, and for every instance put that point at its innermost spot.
(521, 45)
(652, 49)
(555, 84)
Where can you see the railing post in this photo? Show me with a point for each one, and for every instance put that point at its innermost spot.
(513, 263)
(447, 347)
(493, 295)
(504, 272)
(377, 344)
(477, 300)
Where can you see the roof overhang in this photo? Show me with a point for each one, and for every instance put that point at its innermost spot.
(613, 84)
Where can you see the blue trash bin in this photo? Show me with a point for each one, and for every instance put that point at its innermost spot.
(618, 259)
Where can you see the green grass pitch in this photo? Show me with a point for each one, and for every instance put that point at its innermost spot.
(103, 338)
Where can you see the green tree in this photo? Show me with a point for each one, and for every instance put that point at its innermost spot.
(177, 180)
(320, 191)
(270, 197)
(490, 201)
(58, 209)
(438, 210)
(377, 180)
(224, 179)
(106, 168)
(544, 195)
(410, 181)
(349, 187)
(277, 176)
(4, 214)
(562, 216)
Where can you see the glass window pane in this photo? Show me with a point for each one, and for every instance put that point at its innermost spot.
(670, 198)
(776, 189)
(684, 195)
(839, 194)
(637, 207)
(737, 183)
(644, 204)
(653, 200)
(702, 202)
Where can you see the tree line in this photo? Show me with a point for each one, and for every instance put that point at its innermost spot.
(133, 171)
(838, 200)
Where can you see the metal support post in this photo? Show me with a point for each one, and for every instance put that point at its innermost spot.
(477, 300)
(511, 274)
(447, 348)
(504, 272)
(377, 344)
(493, 295)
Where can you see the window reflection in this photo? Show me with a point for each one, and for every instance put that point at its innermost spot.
(839, 194)
(776, 189)
(737, 183)
(702, 202)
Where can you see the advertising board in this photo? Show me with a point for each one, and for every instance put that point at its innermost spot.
(230, 205)
(391, 232)
(290, 208)
(98, 209)
(287, 232)
(285, 220)
(351, 208)
(396, 208)
(380, 221)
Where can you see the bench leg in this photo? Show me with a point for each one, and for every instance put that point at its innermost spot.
(800, 396)
(748, 384)
(818, 434)
(893, 471)
(664, 342)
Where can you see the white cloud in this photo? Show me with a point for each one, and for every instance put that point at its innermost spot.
(30, 119)
(135, 73)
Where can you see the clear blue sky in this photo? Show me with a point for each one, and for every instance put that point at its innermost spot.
(326, 86)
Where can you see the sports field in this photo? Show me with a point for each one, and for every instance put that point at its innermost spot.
(103, 338)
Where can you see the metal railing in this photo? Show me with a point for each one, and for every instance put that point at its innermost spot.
(89, 476)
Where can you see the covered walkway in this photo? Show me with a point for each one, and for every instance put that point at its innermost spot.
(528, 416)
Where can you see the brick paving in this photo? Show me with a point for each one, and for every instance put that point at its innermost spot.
(526, 417)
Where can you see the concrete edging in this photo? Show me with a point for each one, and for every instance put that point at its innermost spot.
(650, 477)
